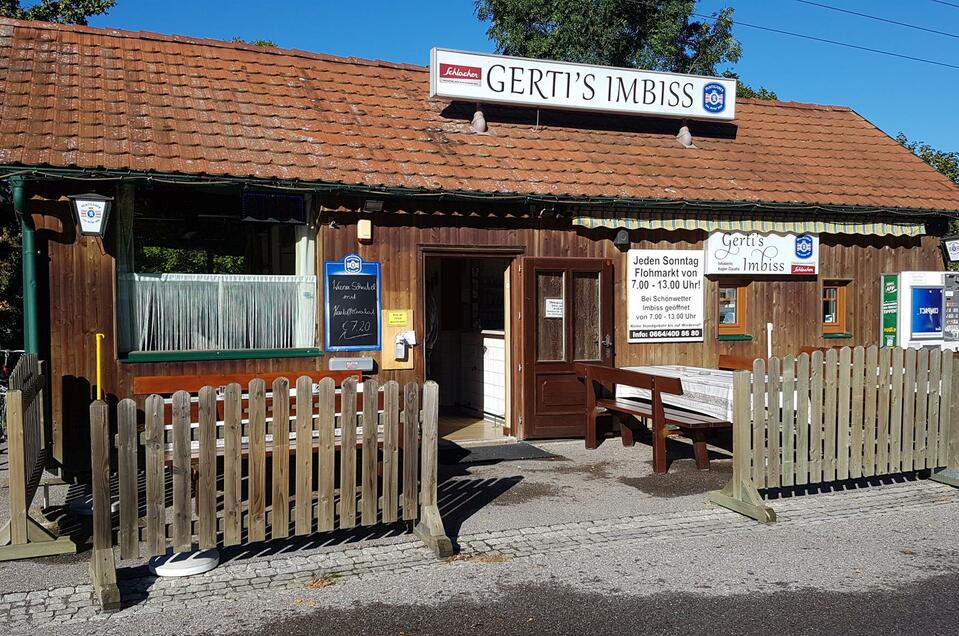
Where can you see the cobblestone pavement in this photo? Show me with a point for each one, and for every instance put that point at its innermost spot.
(244, 580)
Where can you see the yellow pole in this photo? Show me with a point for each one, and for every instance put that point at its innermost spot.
(100, 337)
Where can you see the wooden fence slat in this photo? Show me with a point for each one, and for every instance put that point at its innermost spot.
(155, 476)
(348, 453)
(896, 411)
(909, 410)
(304, 456)
(774, 423)
(327, 456)
(369, 501)
(257, 460)
(17, 471)
(870, 388)
(788, 467)
(882, 410)
(932, 418)
(949, 430)
(816, 418)
(207, 481)
(411, 429)
(128, 534)
(102, 562)
(857, 405)
(952, 454)
(831, 389)
(232, 465)
(758, 455)
(428, 444)
(391, 424)
(920, 429)
(182, 501)
(802, 421)
(842, 413)
(280, 428)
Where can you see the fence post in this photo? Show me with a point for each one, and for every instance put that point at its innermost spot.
(950, 438)
(430, 527)
(740, 494)
(103, 570)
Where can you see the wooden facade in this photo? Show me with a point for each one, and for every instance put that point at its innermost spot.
(78, 290)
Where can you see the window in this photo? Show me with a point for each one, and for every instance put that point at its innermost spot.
(834, 307)
(732, 309)
(215, 272)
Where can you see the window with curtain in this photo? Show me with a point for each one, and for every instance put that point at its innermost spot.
(215, 272)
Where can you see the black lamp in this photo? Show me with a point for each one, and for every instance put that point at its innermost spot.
(621, 241)
(91, 211)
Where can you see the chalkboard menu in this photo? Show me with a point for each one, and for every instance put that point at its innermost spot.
(352, 291)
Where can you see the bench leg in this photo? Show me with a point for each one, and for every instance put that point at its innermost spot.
(591, 432)
(625, 430)
(699, 449)
(659, 448)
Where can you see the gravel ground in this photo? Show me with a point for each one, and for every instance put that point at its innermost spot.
(798, 578)
(823, 564)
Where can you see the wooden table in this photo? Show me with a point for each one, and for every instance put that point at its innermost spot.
(706, 391)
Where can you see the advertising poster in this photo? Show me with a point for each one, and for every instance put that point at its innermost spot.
(950, 320)
(665, 295)
(927, 312)
(890, 309)
(757, 254)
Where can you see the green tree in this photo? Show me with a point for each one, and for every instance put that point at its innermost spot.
(745, 90)
(62, 11)
(945, 162)
(239, 40)
(658, 34)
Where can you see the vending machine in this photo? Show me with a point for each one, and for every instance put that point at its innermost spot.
(920, 309)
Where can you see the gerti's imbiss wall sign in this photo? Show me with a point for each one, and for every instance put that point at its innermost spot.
(547, 84)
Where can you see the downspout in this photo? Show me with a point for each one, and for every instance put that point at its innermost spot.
(28, 250)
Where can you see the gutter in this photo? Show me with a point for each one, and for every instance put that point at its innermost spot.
(28, 250)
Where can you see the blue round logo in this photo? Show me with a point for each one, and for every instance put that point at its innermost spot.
(714, 97)
(353, 264)
(804, 246)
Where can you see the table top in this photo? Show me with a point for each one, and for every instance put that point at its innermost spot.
(706, 391)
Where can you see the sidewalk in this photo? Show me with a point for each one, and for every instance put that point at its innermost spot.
(583, 511)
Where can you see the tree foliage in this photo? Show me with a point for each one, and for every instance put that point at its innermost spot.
(62, 11)
(239, 40)
(945, 162)
(745, 90)
(657, 35)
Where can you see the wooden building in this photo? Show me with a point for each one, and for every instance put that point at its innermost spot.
(237, 172)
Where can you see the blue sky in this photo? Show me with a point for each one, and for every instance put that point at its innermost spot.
(895, 94)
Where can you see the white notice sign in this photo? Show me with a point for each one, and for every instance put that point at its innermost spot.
(762, 254)
(553, 308)
(480, 77)
(664, 295)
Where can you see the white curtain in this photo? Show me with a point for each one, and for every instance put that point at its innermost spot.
(177, 312)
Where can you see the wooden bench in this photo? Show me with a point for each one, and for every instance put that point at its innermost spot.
(600, 399)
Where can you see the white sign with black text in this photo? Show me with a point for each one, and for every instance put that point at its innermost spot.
(757, 254)
(664, 295)
(499, 79)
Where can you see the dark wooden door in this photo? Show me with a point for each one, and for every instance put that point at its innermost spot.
(567, 318)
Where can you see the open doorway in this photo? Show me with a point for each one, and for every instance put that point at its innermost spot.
(467, 344)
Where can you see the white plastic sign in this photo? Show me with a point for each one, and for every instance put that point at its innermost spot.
(664, 295)
(755, 254)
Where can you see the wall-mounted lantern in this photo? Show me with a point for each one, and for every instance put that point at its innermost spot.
(91, 211)
(950, 249)
(621, 241)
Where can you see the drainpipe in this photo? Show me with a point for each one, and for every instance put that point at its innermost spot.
(28, 250)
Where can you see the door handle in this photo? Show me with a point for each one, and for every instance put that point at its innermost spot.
(607, 342)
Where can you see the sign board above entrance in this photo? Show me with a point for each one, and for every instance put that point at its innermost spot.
(756, 254)
(498, 79)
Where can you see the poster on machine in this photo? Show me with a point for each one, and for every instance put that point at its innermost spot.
(665, 295)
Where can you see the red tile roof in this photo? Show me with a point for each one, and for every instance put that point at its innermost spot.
(96, 98)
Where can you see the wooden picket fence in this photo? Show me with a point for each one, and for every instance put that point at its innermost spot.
(23, 536)
(848, 414)
(252, 467)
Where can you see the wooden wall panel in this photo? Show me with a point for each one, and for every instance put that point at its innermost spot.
(77, 289)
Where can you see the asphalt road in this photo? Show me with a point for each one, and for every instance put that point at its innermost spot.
(928, 607)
